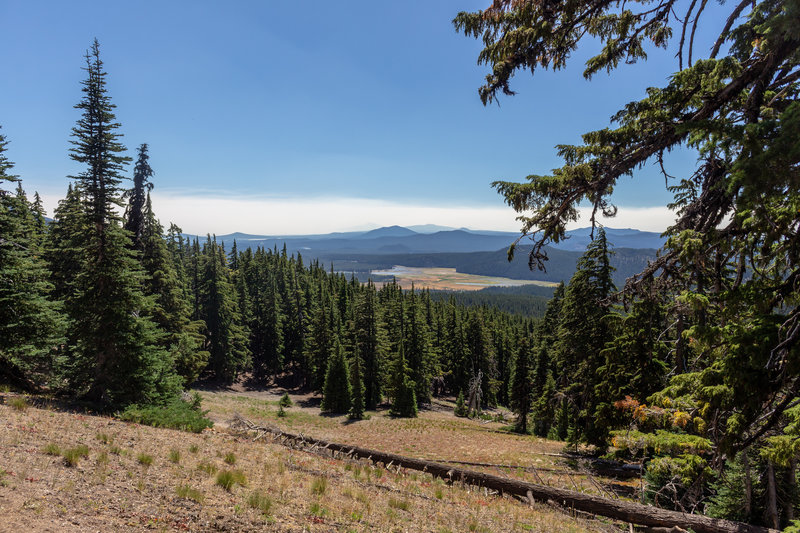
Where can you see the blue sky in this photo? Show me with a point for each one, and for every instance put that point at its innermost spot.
(308, 116)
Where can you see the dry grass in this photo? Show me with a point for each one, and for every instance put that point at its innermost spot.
(112, 492)
(435, 435)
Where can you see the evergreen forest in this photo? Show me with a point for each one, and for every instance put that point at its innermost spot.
(691, 368)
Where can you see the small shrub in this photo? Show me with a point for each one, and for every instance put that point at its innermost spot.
(174, 456)
(176, 415)
(52, 449)
(18, 403)
(259, 500)
(319, 485)
(281, 412)
(228, 478)
(188, 493)
(461, 408)
(73, 455)
(285, 401)
(144, 459)
(230, 458)
(209, 468)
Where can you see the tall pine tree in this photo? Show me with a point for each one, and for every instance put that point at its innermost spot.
(114, 357)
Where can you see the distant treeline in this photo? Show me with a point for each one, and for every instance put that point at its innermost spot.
(528, 300)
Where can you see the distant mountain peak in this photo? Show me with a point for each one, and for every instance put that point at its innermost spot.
(388, 231)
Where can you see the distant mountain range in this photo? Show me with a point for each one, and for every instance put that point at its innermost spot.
(429, 239)
(468, 251)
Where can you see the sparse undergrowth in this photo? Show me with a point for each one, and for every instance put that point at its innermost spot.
(177, 415)
(287, 490)
(227, 479)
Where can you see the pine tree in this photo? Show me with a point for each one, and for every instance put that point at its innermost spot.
(582, 335)
(114, 356)
(404, 401)
(521, 389)
(226, 335)
(63, 245)
(461, 407)
(336, 391)
(183, 338)
(138, 196)
(370, 340)
(356, 388)
(31, 324)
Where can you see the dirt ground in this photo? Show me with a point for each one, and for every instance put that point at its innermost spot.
(136, 478)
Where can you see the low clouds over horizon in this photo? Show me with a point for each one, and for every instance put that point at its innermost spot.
(223, 213)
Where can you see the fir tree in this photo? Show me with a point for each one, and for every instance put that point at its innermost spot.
(30, 322)
(461, 407)
(521, 390)
(417, 348)
(582, 334)
(356, 388)
(183, 338)
(336, 391)
(404, 401)
(115, 356)
(226, 336)
(371, 343)
(137, 197)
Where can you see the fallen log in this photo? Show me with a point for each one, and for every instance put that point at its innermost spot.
(634, 513)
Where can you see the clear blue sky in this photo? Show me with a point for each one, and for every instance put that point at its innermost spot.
(305, 116)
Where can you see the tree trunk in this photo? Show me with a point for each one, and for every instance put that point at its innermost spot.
(771, 516)
(617, 509)
(748, 485)
(791, 493)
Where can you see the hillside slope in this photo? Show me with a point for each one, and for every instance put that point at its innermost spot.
(115, 489)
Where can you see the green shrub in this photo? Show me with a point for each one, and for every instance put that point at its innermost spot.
(176, 415)
(259, 500)
(285, 401)
(228, 478)
(18, 403)
(461, 408)
(675, 479)
(73, 455)
(52, 449)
